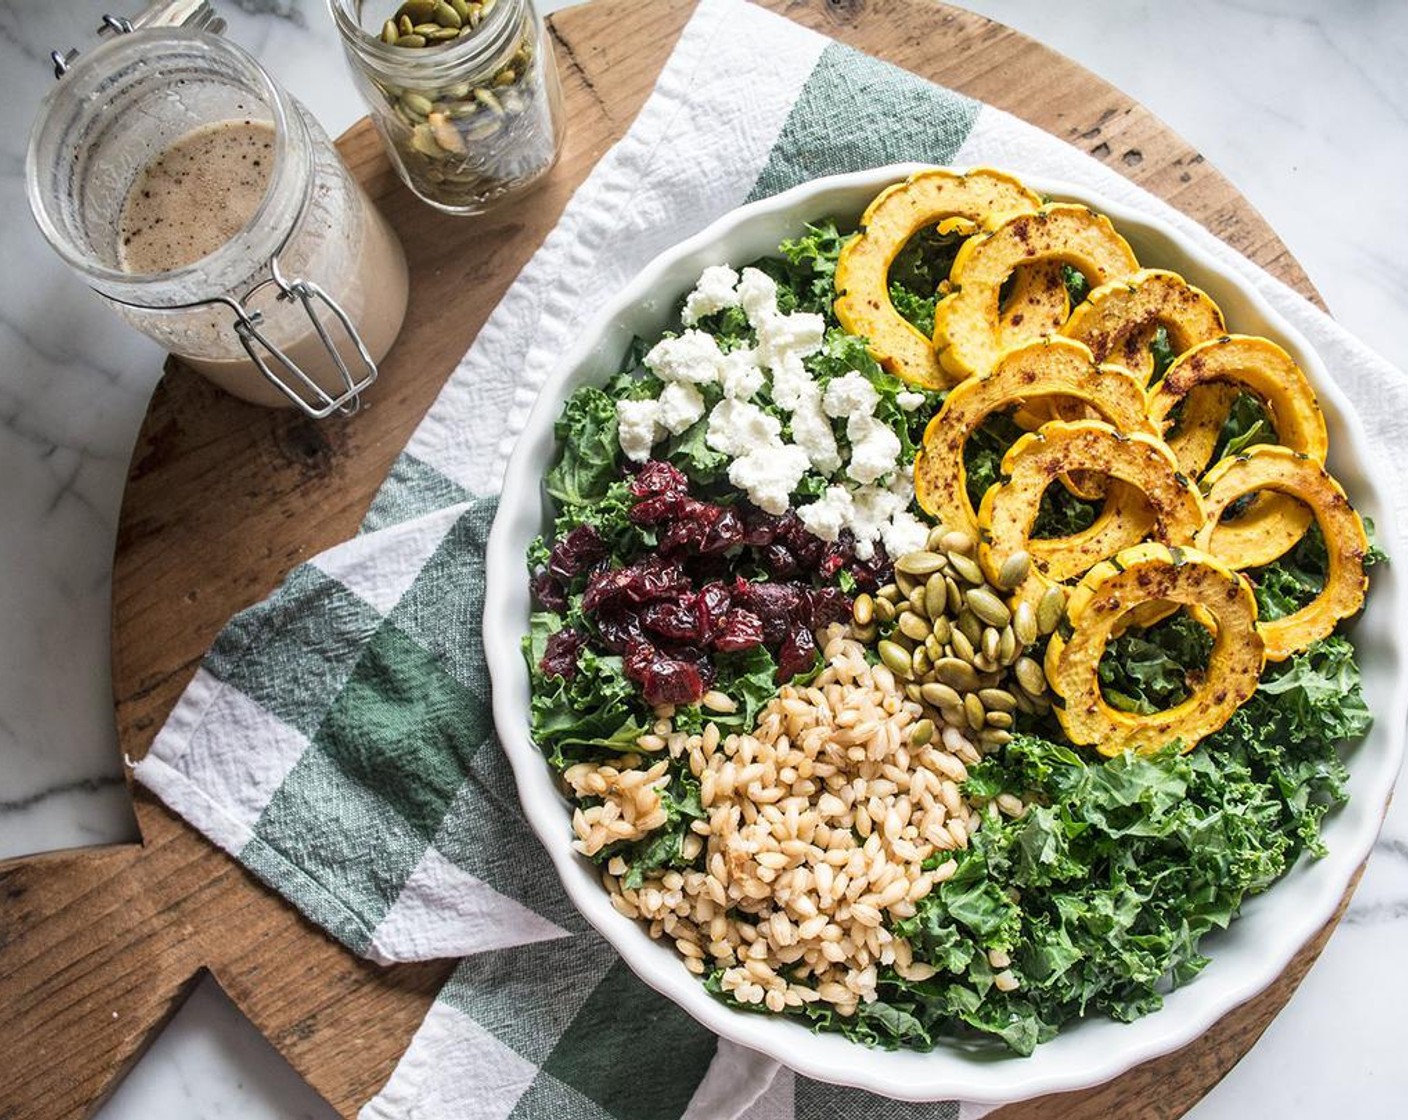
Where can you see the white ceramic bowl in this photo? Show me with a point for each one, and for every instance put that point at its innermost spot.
(1245, 959)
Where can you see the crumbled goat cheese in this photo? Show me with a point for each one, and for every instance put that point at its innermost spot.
(812, 431)
(769, 475)
(681, 404)
(903, 533)
(693, 356)
(740, 375)
(638, 428)
(852, 394)
(829, 514)
(872, 509)
(909, 401)
(714, 292)
(757, 292)
(875, 449)
(737, 428)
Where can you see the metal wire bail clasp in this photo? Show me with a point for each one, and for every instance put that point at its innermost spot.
(307, 394)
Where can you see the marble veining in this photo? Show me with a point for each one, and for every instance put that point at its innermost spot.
(1303, 104)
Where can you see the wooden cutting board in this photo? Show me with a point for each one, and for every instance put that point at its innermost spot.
(99, 947)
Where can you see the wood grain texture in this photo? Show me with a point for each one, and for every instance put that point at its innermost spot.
(99, 947)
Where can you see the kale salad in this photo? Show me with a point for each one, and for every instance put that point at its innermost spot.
(940, 632)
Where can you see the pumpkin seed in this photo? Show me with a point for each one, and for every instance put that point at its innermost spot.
(956, 674)
(1029, 676)
(921, 662)
(912, 691)
(966, 567)
(940, 695)
(1007, 646)
(1024, 703)
(423, 141)
(921, 733)
(417, 10)
(917, 603)
(417, 103)
(446, 16)
(443, 34)
(988, 606)
(505, 77)
(942, 630)
(867, 634)
(935, 596)
(994, 737)
(934, 647)
(1051, 609)
(461, 9)
(410, 39)
(1024, 623)
(997, 699)
(999, 719)
(962, 647)
(889, 592)
(912, 626)
(426, 29)
(953, 714)
(992, 638)
(906, 584)
(884, 610)
(1014, 570)
(446, 135)
(971, 627)
(896, 658)
(955, 596)
(935, 543)
(405, 25)
(486, 98)
(957, 540)
(388, 32)
(984, 663)
(863, 610)
(973, 709)
(919, 563)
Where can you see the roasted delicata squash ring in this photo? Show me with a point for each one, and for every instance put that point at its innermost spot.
(925, 199)
(1256, 365)
(967, 322)
(1269, 467)
(1037, 305)
(1010, 508)
(1118, 320)
(1051, 367)
(1125, 520)
(1142, 574)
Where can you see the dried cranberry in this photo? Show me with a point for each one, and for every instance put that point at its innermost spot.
(576, 552)
(779, 561)
(618, 629)
(738, 630)
(759, 528)
(675, 620)
(826, 605)
(669, 681)
(777, 606)
(652, 511)
(549, 592)
(560, 657)
(724, 533)
(710, 606)
(803, 545)
(646, 581)
(640, 657)
(797, 654)
(837, 554)
(659, 478)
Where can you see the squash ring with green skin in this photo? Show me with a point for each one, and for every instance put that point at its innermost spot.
(1269, 467)
(1118, 320)
(1052, 367)
(1010, 508)
(967, 322)
(925, 199)
(1109, 591)
(1274, 523)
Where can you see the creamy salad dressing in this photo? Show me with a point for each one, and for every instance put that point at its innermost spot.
(197, 195)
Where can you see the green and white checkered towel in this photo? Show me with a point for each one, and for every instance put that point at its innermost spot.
(337, 739)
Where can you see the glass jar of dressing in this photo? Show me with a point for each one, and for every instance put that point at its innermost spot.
(185, 186)
(465, 94)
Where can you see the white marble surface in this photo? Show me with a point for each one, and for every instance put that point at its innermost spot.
(1303, 104)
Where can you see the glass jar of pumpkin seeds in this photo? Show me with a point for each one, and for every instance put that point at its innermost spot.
(465, 94)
